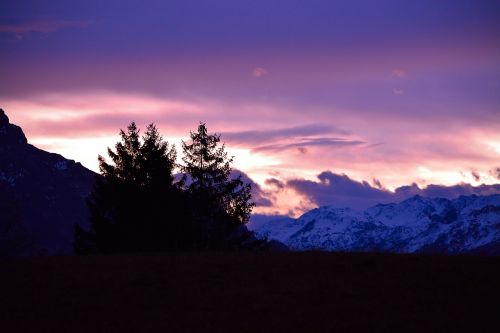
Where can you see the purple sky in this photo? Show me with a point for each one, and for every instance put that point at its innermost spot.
(387, 92)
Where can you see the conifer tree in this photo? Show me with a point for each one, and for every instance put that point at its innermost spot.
(218, 204)
(137, 206)
(134, 205)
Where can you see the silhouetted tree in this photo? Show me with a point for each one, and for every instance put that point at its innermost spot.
(219, 206)
(135, 205)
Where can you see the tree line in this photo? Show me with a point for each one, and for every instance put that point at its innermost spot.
(144, 201)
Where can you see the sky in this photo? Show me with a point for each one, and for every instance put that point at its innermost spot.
(320, 102)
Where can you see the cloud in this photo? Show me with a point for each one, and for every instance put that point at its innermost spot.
(260, 136)
(259, 72)
(342, 191)
(41, 26)
(302, 150)
(339, 190)
(266, 135)
(275, 183)
(399, 73)
(267, 138)
(303, 143)
(259, 196)
(475, 175)
(443, 191)
(90, 114)
(299, 138)
(377, 183)
(495, 173)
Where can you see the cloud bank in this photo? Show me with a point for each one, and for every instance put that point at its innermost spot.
(341, 191)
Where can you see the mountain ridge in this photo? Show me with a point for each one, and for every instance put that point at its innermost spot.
(417, 224)
(44, 192)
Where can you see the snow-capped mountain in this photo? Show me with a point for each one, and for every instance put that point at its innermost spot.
(42, 196)
(418, 224)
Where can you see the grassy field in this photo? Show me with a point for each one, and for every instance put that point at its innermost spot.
(245, 292)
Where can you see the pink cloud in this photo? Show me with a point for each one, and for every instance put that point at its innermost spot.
(259, 72)
(399, 73)
(376, 146)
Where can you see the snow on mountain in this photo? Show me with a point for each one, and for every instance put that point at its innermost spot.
(417, 224)
(287, 227)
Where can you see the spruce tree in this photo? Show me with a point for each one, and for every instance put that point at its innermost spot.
(219, 205)
(135, 204)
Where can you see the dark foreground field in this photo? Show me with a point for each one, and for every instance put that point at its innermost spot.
(308, 292)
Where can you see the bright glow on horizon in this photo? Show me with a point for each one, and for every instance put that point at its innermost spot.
(495, 146)
(67, 125)
(83, 150)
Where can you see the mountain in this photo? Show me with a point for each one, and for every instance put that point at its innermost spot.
(42, 196)
(468, 224)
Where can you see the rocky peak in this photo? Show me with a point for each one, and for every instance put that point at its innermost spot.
(43, 192)
(10, 134)
(3, 118)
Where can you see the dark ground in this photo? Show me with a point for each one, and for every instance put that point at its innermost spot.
(244, 292)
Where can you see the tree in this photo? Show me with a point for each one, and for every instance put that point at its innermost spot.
(135, 204)
(219, 206)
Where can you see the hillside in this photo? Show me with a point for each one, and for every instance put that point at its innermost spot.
(44, 194)
(245, 292)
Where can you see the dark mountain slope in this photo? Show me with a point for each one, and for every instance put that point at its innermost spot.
(46, 191)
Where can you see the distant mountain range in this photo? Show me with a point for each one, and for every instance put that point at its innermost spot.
(42, 196)
(468, 224)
